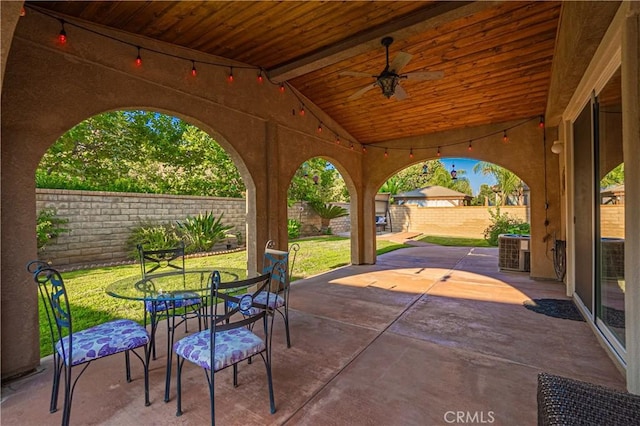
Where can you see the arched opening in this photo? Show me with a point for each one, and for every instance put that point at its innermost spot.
(457, 198)
(199, 193)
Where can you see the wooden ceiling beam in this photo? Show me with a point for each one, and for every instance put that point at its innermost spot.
(407, 26)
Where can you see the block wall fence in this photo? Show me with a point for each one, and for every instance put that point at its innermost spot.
(100, 222)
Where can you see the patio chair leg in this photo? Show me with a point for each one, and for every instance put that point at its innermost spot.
(147, 353)
(127, 366)
(286, 326)
(180, 362)
(57, 370)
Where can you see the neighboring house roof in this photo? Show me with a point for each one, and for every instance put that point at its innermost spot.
(433, 192)
(612, 190)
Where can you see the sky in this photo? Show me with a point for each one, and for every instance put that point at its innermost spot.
(466, 164)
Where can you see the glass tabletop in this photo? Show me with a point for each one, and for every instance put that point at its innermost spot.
(174, 285)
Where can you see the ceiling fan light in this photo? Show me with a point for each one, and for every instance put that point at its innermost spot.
(388, 84)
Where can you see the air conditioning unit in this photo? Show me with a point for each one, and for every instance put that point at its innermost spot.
(513, 252)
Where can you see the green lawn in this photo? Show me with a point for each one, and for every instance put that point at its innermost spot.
(455, 241)
(90, 305)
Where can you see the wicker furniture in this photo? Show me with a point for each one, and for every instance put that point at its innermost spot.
(564, 401)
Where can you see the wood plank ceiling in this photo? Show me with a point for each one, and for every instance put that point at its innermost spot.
(496, 56)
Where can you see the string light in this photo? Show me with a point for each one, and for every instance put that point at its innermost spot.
(138, 59)
(364, 149)
(351, 146)
(62, 36)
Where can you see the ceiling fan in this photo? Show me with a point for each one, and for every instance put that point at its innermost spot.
(388, 80)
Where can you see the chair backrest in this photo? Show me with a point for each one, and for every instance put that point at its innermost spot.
(56, 304)
(163, 260)
(286, 258)
(237, 297)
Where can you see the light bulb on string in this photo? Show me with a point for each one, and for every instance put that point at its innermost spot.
(302, 110)
(320, 127)
(230, 76)
(364, 149)
(138, 59)
(505, 138)
(469, 148)
(438, 153)
(194, 72)
(337, 140)
(541, 123)
(260, 78)
(411, 153)
(282, 89)
(62, 35)
(351, 146)
(386, 153)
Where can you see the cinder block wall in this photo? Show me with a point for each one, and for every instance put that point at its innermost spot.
(468, 221)
(100, 222)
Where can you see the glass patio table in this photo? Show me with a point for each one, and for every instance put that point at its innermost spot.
(164, 289)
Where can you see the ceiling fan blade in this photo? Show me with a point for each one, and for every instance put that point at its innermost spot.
(401, 59)
(426, 75)
(400, 93)
(362, 91)
(355, 74)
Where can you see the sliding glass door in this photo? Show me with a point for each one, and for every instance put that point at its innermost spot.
(609, 208)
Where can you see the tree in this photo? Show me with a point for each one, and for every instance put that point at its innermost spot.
(614, 177)
(507, 182)
(139, 151)
(317, 181)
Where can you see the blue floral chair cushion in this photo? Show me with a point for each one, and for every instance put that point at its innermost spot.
(232, 346)
(103, 340)
(160, 305)
(275, 301)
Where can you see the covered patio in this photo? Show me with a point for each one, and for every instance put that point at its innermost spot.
(519, 85)
(427, 333)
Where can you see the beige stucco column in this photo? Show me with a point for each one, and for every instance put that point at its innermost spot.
(631, 150)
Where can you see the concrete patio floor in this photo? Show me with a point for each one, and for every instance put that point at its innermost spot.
(427, 334)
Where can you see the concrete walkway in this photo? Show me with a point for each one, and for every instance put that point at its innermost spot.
(429, 335)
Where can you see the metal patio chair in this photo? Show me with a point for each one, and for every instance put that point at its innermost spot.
(279, 293)
(230, 339)
(162, 261)
(76, 348)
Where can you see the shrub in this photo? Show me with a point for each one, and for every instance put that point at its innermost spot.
(293, 229)
(202, 232)
(49, 226)
(504, 224)
(153, 236)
